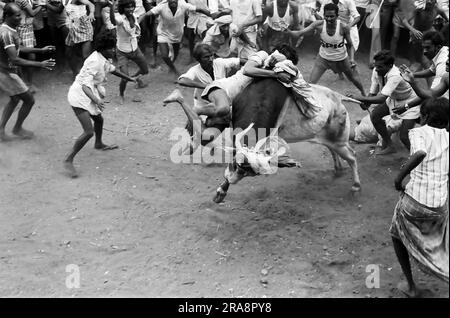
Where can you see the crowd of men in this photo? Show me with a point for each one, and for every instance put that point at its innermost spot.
(257, 35)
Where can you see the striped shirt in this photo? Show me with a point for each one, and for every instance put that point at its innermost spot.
(391, 85)
(428, 183)
(8, 38)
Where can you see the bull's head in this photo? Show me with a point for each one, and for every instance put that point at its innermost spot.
(261, 159)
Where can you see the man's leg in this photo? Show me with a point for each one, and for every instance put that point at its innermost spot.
(395, 38)
(88, 131)
(139, 58)
(375, 45)
(407, 125)
(317, 71)
(86, 50)
(176, 51)
(386, 14)
(353, 76)
(403, 258)
(122, 61)
(376, 116)
(98, 130)
(219, 105)
(191, 38)
(28, 102)
(7, 113)
(164, 48)
(154, 40)
(28, 72)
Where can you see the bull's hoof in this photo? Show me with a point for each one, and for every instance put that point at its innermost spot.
(220, 195)
(339, 172)
(356, 187)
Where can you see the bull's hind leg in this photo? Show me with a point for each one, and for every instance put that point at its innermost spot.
(338, 168)
(348, 154)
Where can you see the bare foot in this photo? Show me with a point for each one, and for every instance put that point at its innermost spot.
(106, 147)
(4, 137)
(386, 151)
(23, 134)
(413, 292)
(175, 96)
(70, 169)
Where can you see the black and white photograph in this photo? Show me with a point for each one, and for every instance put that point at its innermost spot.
(224, 154)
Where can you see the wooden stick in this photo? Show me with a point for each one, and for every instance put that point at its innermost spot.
(376, 14)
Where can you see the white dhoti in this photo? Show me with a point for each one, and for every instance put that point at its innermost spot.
(354, 35)
(244, 50)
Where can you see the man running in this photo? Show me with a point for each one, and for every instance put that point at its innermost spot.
(10, 82)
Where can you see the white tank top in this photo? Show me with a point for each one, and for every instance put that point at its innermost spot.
(276, 22)
(332, 48)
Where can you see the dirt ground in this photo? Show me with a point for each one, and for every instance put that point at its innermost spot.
(138, 225)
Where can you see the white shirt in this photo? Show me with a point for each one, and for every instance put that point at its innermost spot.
(127, 37)
(238, 82)
(244, 11)
(171, 27)
(397, 90)
(347, 10)
(93, 75)
(438, 66)
(216, 5)
(221, 68)
(428, 183)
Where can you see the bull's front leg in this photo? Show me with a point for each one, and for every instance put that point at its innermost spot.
(232, 176)
(221, 192)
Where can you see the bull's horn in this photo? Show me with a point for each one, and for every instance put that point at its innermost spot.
(240, 135)
(351, 100)
(260, 143)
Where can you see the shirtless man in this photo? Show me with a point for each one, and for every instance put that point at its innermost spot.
(333, 54)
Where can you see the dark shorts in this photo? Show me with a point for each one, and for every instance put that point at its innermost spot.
(135, 56)
(335, 66)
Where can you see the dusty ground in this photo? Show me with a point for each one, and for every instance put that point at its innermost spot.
(137, 224)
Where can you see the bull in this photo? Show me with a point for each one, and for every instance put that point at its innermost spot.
(263, 103)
